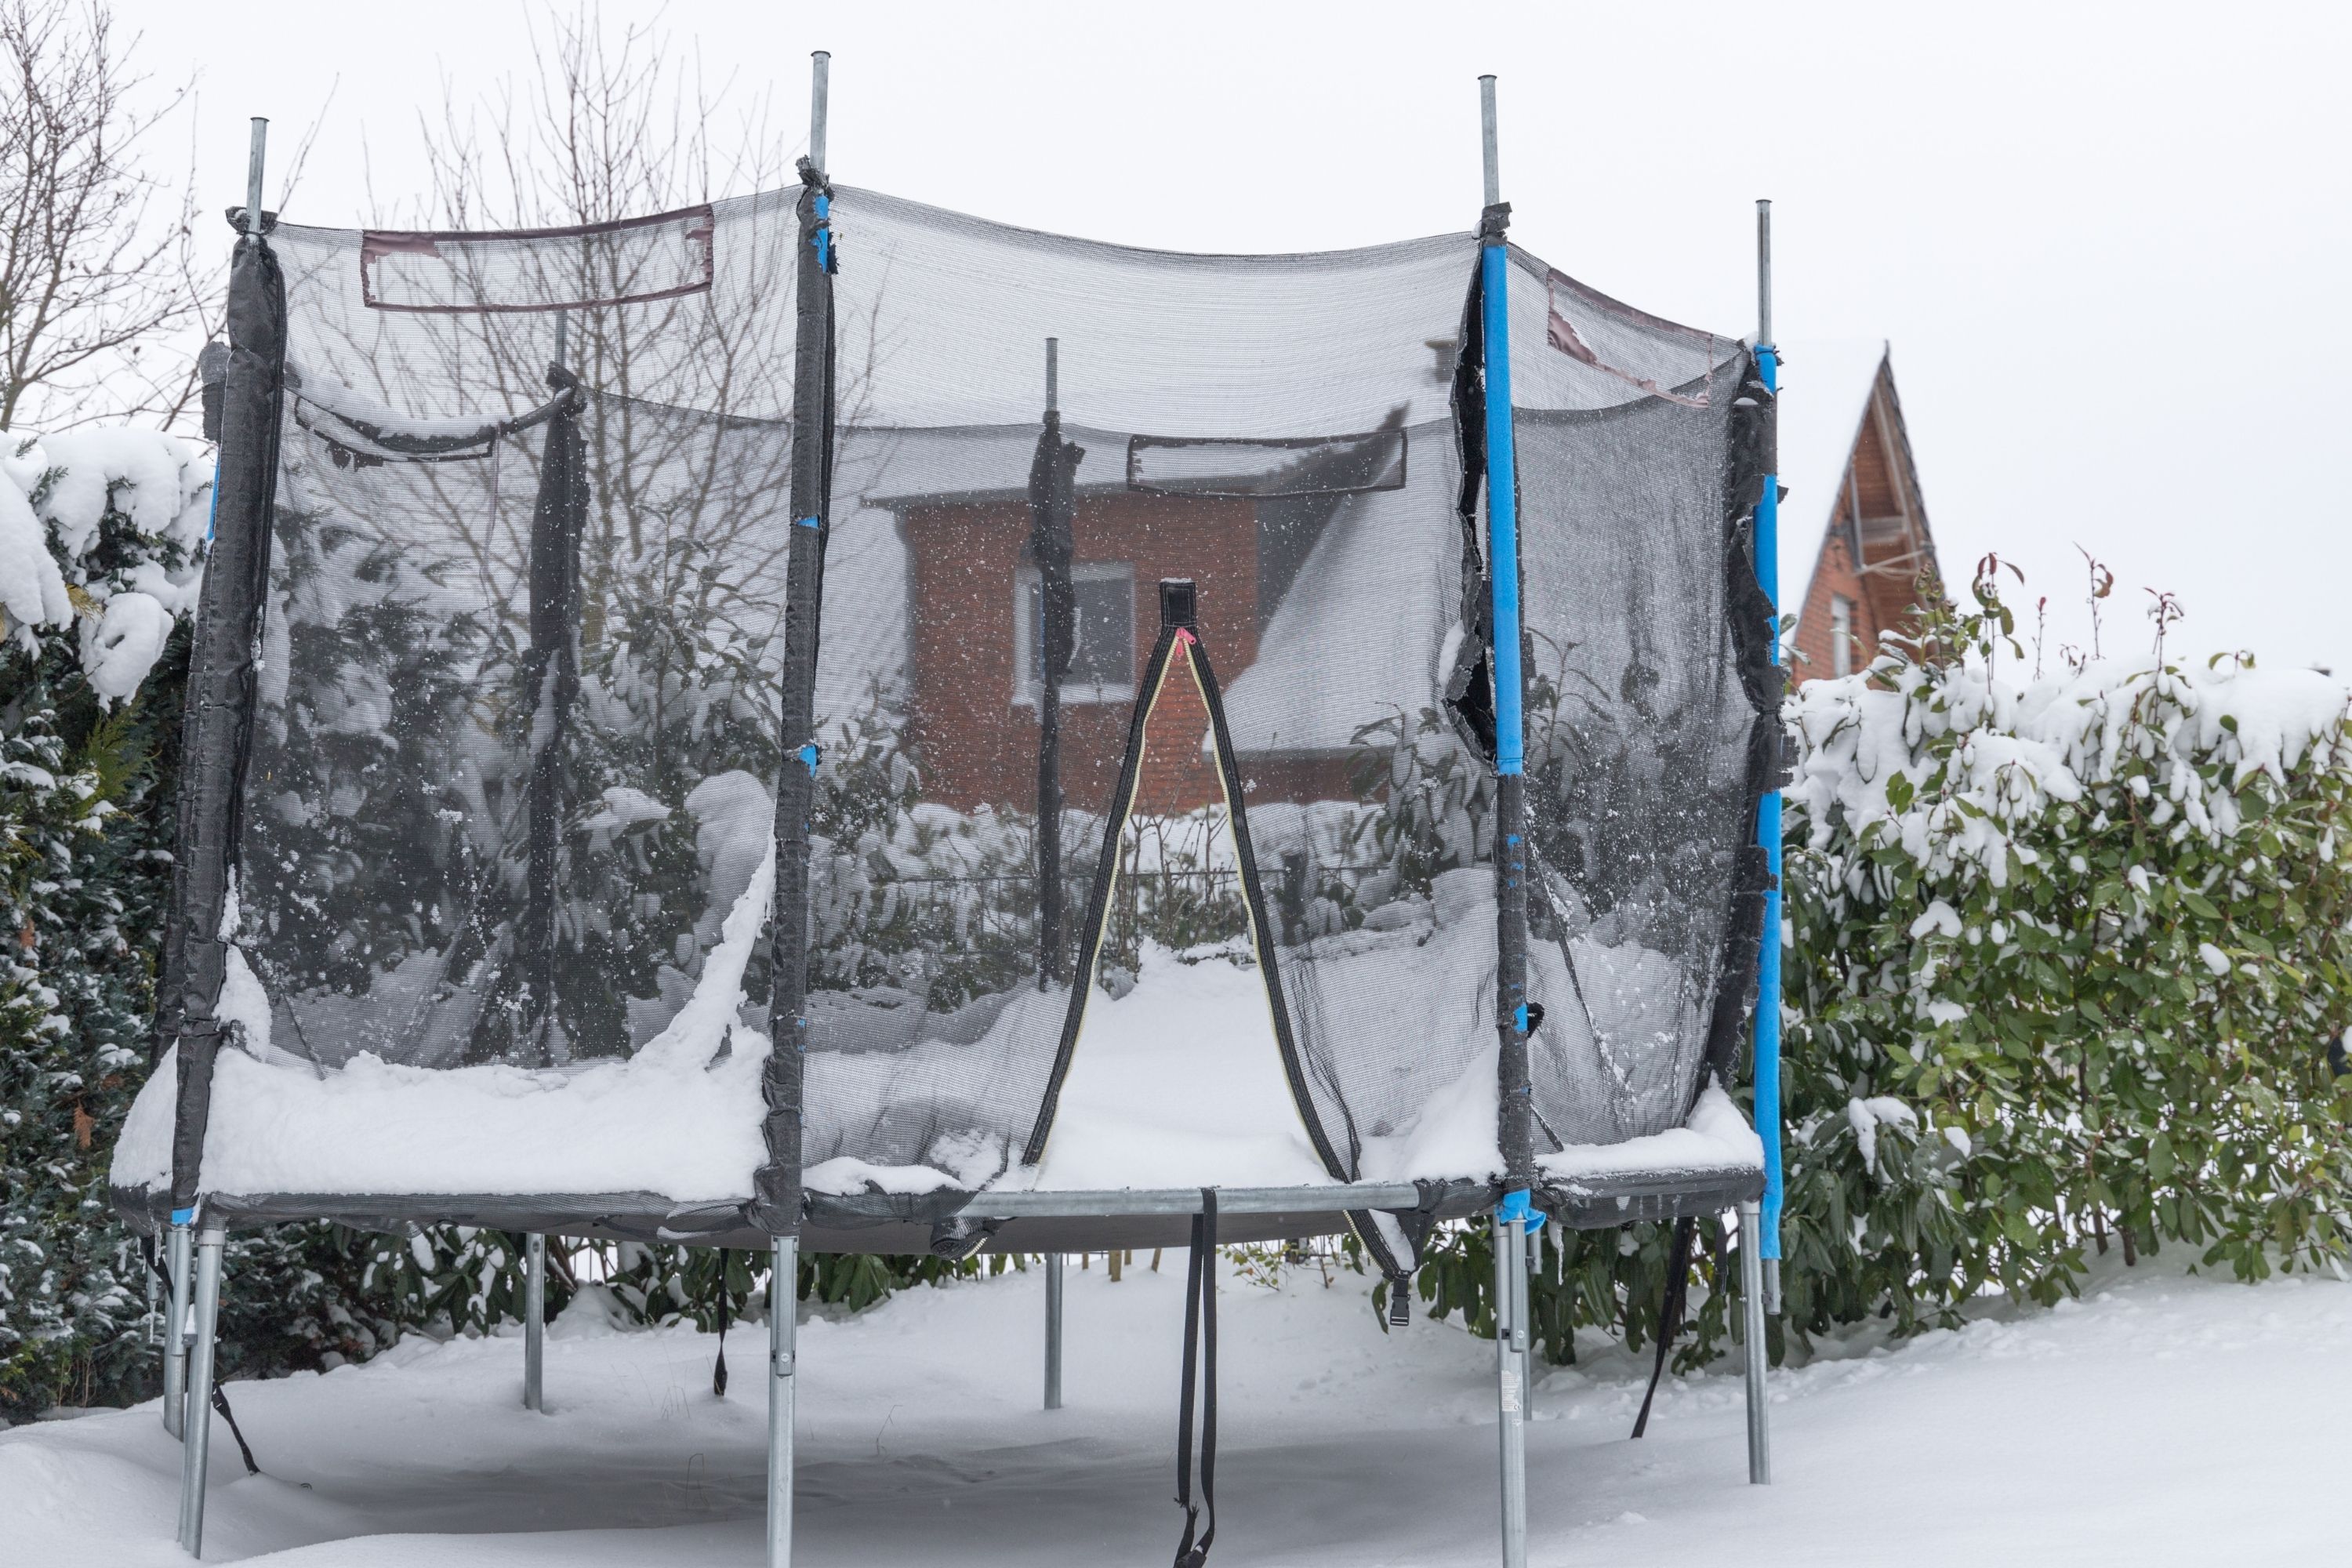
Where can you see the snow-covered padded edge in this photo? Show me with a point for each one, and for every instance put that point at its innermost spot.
(881, 1223)
(884, 1224)
(1712, 1162)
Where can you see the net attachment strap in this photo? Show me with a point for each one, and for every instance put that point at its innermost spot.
(1417, 1223)
(719, 1367)
(1200, 1373)
(1670, 1311)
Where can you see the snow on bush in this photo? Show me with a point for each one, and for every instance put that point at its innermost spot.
(106, 529)
(2069, 967)
(2066, 960)
(102, 541)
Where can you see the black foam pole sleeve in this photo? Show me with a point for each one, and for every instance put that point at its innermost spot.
(217, 728)
(551, 671)
(777, 1193)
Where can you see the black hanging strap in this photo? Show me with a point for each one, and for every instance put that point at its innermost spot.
(1201, 1372)
(220, 1399)
(1670, 1310)
(718, 1370)
(220, 1402)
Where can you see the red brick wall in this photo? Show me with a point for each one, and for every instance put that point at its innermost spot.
(975, 744)
(1834, 574)
(1177, 774)
(1885, 598)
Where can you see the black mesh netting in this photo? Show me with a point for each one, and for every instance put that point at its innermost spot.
(512, 789)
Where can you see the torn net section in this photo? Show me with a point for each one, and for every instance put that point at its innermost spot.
(516, 744)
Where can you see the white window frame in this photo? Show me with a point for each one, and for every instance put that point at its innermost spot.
(1025, 693)
(1841, 634)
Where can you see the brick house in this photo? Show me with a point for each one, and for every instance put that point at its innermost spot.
(1271, 569)
(1278, 583)
(975, 686)
(1845, 462)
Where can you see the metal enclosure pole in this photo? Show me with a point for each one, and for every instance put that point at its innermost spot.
(253, 164)
(175, 1335)
(1053, 1330)
(1510, 1350)
(820, 70)
(783, 1292)
(1512, 1017)
(534, 1321)
(1526, 1314)
(779, 1199)
(1487, 133)
(1515, 1216)
(196, 1448)
(1767, 811)
(1751, 1304)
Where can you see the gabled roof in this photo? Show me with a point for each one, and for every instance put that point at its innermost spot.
(1829, 390)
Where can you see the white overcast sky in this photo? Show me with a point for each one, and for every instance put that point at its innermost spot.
(2108, 242)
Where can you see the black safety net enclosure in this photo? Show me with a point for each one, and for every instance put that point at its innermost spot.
(802, 713)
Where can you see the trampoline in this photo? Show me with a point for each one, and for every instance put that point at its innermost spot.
(815, 722)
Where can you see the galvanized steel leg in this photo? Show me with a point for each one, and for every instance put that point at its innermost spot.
(1510, 1362)
(1751, 1301)
(1526, 1313)
(1053, 1330)
(176, 1332)
(783, 1290)
(534, 1321)
(196, 1447)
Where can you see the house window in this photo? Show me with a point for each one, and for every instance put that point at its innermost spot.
(1102, 663)
(1841, 634)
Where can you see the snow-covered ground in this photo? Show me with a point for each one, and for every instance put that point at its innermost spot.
(2162, 1420)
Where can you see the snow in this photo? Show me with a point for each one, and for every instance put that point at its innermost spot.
(1717, 1138)
(373, 1126)
(144, 472)
(1319, 680)
(356, 408)
(1180, 1084)
(1867, 1116)
(2024, 747)
(32, 589)
(129, 638)
(2161, 1421)
(55, 494)
(681, 1117)
(1177, 1083)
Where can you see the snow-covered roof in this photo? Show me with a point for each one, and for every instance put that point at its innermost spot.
(1825, 389)
(1358, 636)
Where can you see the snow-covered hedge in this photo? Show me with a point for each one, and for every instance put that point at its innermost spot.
(2068, 968)
(101, 541)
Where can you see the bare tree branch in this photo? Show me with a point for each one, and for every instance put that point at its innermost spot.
(98, 270)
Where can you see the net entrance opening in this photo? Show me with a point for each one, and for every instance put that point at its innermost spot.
(1175, 1068)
